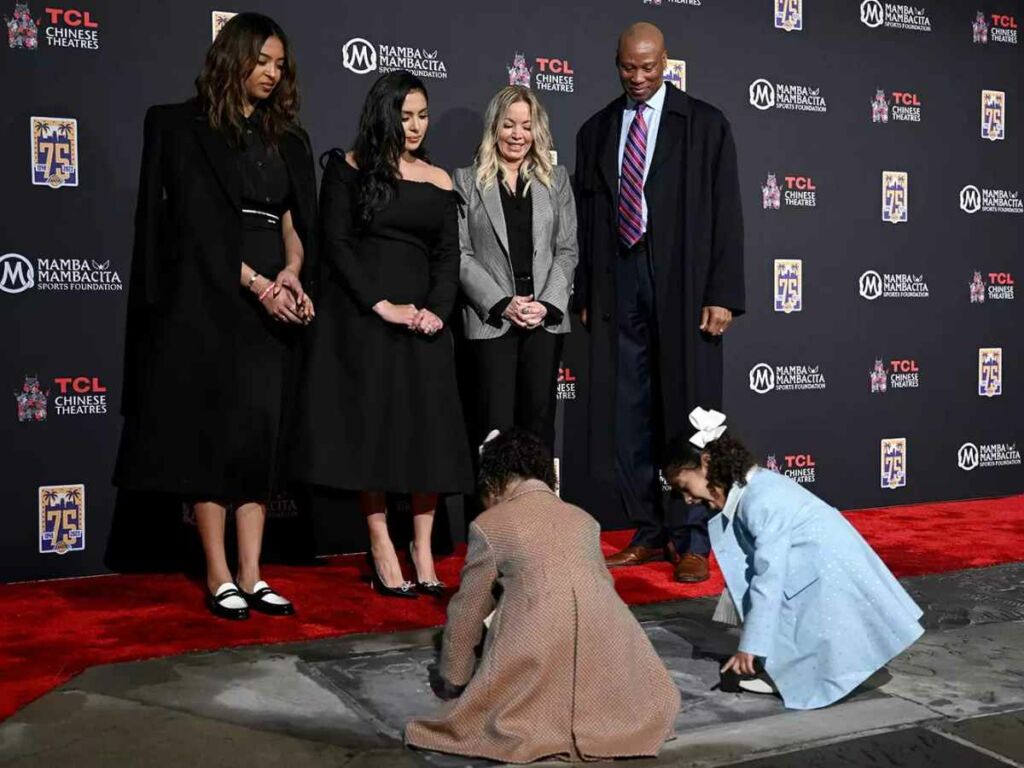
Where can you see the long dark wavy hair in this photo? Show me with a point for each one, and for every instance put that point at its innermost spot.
(381, 140)
(515, 454)
(728, 460)
(220, 87)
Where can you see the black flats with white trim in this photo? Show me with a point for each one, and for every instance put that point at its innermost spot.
(228, 603)
(265, 600)
(231, 602)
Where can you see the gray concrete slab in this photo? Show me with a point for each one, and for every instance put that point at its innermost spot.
(910, 748)
(963, 672)
(345, 701)
(89, 730)
(259, 690)
(972, 597)
(392, 687)
(727, 743)
(1001, 734)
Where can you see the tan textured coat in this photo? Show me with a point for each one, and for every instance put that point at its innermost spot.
(566, 670)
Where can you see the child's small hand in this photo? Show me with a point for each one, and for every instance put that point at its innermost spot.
(742, 663)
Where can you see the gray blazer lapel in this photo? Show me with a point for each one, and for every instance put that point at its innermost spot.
(492, 204)
(543, 219)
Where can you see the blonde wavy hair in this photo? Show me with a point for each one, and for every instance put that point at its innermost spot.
(537, 164)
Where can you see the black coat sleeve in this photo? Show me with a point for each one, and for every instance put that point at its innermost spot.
(445, 259)
(144, 278)
(337, 240)
(725, 287)
(581, 283)
(305, 197)
(150, 214)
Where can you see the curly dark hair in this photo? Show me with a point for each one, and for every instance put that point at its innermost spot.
(381, 140)
(515, 454)
(220, 87)
(728, 460)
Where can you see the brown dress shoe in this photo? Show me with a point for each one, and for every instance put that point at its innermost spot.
(633, 555)
(692, 568)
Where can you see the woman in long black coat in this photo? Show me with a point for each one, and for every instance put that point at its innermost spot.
(223, 228)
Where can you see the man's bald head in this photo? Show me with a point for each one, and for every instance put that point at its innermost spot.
(643, 34)
(641, 59)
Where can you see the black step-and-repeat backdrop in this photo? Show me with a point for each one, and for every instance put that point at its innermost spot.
(880, 158)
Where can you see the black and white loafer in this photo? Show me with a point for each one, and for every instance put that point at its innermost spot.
(760, 682)
(265, 600)
(228, 603)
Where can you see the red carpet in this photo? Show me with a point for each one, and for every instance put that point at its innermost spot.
(53, 630)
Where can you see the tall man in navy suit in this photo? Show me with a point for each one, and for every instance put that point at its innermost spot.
(659, 282)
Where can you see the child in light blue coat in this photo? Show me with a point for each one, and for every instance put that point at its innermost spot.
(820, 611)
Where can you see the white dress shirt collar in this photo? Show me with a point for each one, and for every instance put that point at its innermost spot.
(656, 102)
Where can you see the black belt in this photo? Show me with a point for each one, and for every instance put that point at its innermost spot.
(264, 216)
(524, 285)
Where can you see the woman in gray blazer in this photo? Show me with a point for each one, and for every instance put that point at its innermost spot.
(518, 241)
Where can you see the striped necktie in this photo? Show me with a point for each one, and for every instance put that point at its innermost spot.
(631, 184)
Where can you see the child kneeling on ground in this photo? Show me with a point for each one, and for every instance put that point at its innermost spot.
(820, 611)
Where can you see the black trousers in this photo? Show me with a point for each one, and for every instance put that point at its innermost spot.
(658, 516)
(515, 379)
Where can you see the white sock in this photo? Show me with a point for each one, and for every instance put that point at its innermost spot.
(235, 601)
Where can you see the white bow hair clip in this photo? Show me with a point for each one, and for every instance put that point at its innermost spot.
(490, 436)
(710, 426)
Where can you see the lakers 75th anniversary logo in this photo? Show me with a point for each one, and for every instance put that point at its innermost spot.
(990, 371)
(895, 196)
(54, 151)
(675, 73)
(894, 462)
(789, 15)
(993, 115)
(218, 19)
(788, 285)
(61, 518)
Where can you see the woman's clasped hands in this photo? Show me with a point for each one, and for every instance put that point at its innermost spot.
(419, 320)
(525, 312)
(284, 299)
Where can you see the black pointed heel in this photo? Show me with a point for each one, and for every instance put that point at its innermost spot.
(405, 590)
(433, 588)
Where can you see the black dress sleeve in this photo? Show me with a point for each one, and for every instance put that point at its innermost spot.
(338, 232)
(444, 263)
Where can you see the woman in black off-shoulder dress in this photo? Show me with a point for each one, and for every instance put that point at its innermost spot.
(380, 410)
